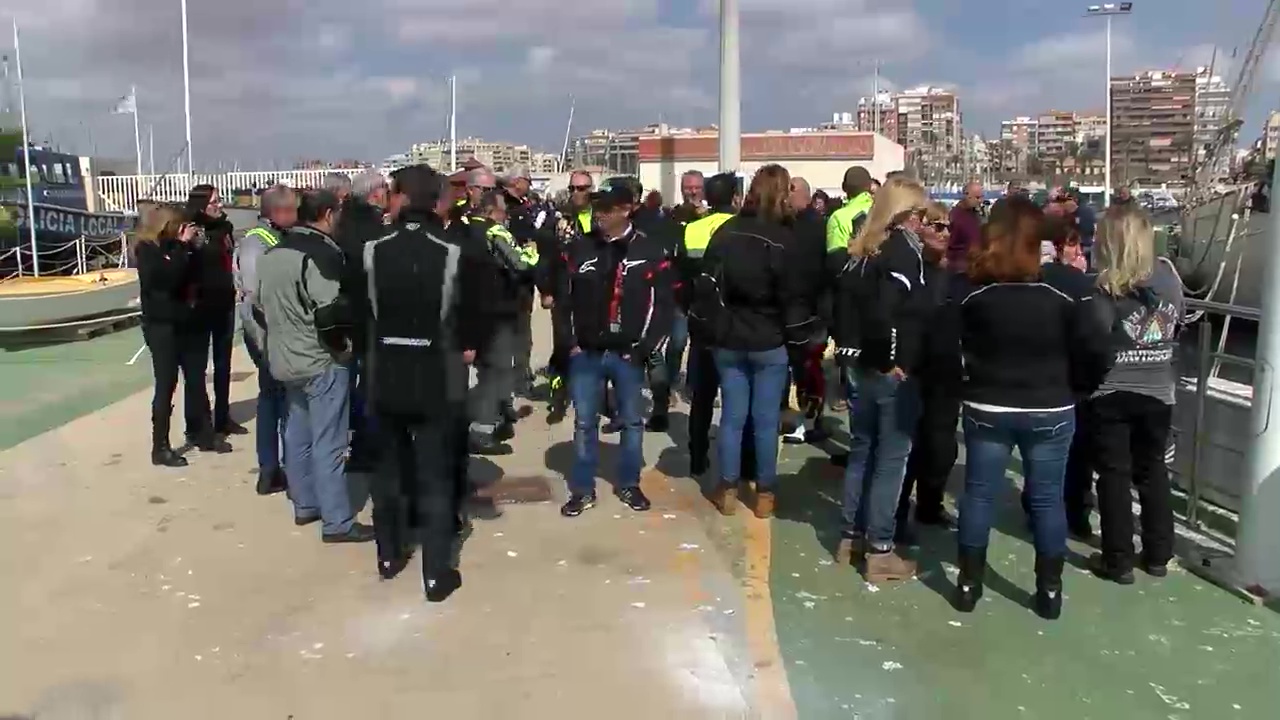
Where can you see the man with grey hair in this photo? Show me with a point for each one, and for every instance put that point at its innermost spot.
(479, 181)
(693, 201)
(339, 184)
(278, 213)
(361, 222)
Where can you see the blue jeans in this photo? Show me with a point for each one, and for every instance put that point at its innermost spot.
(273, 411)
(883, 413)
(319, 415)
(750, 383)
(1044, 441)
(587, 373)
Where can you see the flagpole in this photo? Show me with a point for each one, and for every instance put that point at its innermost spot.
(453, 123)
(26, 154)
(186, 86)
(137, 130)
(151, 140)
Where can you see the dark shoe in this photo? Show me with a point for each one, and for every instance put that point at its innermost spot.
(1099, 566)
(441, 586)
(556, 413)
(478, 444)
(1155, 570)
(209, 442)
(904, 536)
(271, 482)
(633, 497)
(577, 505)
(1048, 600)
(389, 569)
(613, 427)
(166, 457)
(304, 520)
(505, 431)
(509, 413)
(973, 568)
(359, 533)
(937, 518)
(230, 427)
(658, 423)
(840, 459)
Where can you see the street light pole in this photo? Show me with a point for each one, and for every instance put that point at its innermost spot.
(1108, 11)
(730, 89)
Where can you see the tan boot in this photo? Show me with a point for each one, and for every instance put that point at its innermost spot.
(888, 567)
(765, 502)
(725, 498)
(850, 551)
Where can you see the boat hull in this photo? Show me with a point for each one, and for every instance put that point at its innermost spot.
(1202, 250)
(30, 303)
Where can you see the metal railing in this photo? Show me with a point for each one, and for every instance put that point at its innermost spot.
(121, 193)
(1208, 362)
(90, 254)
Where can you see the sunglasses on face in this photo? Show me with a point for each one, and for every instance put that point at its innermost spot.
(940, 226)
(580, 188)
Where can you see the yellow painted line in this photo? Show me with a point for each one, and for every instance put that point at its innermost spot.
(768, 691)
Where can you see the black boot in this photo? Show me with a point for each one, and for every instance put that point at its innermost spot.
(973, 566)
(1048, 601)
(162, 453)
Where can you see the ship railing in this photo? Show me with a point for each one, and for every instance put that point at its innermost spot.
(1207, 503)
(85, 255)
(122, 193)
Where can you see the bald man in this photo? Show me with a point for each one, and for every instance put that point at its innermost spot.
(800, 193)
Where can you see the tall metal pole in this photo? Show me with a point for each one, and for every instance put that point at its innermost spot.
(137, 129)
(875, 98)
(453, 123)
(186, 87)
(151, 153)
(26, 154)
(730, 89)
(1106, 194)
(1258, 535)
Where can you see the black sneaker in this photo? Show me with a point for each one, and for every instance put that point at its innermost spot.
(633, 497)
(271, 482)
(577, 505)
(231, 427)
(478, 444)
(389, 569)
(613, 427)
(659, 423)
(1156, 571)
(210, 442)
(505, 431)
(304, 520)
(359, 533)
(1098, 566)
(440, 587)
(166, 457)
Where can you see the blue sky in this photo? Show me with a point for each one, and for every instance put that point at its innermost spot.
(277, 80)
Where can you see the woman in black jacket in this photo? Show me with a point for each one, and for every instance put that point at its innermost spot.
(163, 254)
(215, 309)
(1031, 348)
(751, 300)
(882, 292)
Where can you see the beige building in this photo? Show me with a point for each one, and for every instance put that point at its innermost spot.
(820, 157)
(1153, 126)
(930, 127)
(1271, 135)
(497, 156)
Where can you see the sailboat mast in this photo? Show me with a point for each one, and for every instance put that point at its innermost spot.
(568, 128)
(26, 154)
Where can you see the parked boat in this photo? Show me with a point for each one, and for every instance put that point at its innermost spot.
(39, 303)
(1221, 250)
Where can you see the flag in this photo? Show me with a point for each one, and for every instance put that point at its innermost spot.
(126, 105)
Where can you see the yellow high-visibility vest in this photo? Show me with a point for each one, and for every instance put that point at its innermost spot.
(840, 224)
(697, 234)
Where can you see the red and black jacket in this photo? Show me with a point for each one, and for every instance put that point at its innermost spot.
(618, 295)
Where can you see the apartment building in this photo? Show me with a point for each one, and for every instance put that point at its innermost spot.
(1271, 135)
(498, 156)
(1153, 126)
(883, 104)
(617, 151)
(929, 126)
(1055, 135)
(1020, 132)
(1213, 104)
(1091, 127)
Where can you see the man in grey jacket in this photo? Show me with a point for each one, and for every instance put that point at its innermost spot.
(279, 213)
(308, 342)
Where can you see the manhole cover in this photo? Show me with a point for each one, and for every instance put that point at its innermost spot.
(519, 490)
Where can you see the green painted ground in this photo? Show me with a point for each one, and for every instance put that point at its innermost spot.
(43, 387)
(1176, 648)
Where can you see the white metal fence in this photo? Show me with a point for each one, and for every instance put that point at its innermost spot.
(121, 193)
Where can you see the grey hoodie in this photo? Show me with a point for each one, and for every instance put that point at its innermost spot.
(248, 251)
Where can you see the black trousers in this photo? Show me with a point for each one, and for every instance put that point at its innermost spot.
(523, 344)
(176, 349)
(703, 381)
(1078, 481)
(1129, 434)
(933, 454)
(418, 490)
(218, 334)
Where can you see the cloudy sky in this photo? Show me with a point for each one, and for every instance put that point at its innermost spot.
(278, 80)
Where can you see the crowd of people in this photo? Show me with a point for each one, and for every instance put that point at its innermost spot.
(390, 324)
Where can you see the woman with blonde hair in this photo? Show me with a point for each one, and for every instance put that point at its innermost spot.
(174, 339)
(882, 293)
(749, 303)
(1139, 298)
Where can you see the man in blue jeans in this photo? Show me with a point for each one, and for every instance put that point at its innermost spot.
(617, 313)
(308, 324)
(279, 213)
